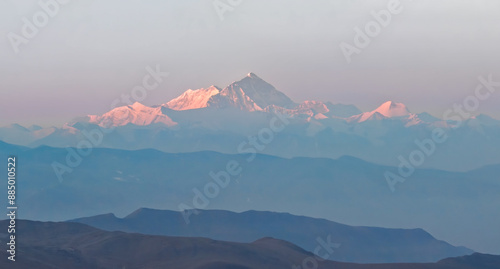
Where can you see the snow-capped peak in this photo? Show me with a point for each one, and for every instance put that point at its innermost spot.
(391, 109)
(136, 113)
(388, 109)
(193, 99)
(253, 89)
(138, 106)
(250, 94)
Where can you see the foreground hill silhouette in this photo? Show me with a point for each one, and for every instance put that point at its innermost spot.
(78, 246)
(357, 244)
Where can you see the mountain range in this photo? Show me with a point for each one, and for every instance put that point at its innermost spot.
(452, 206)
(72, 245)
(350, 243)
(221, 119)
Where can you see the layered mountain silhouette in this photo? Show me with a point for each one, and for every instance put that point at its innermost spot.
(220, 119)
(352, 244)
(455, 207)
(72, 245)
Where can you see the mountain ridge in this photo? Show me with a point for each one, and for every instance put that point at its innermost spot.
(151, 178)
(253, 94)
(49, 245)
(398, 245)
(222, 119)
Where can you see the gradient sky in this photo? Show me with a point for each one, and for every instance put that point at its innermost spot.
(91, 52)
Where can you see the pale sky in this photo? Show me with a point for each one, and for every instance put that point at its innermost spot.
(90, 52)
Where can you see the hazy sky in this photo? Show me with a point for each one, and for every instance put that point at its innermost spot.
(428, 57)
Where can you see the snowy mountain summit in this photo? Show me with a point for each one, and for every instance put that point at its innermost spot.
(250, 93)
(253, 94)
(219, 119)
(388, 109)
